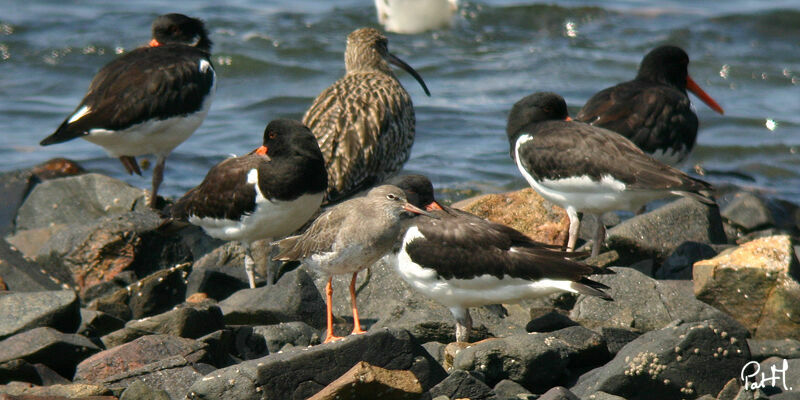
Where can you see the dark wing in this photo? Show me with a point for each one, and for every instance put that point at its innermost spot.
(463, 249)
(561, 149)
(147, 83)
(515, 237)
(319, 238)
(224, 193)
(364, 124)
(653, 116)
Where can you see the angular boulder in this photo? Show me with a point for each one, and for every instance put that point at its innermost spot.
(26, 310)
(59, 351)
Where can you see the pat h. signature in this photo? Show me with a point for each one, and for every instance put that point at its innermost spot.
(753, 380)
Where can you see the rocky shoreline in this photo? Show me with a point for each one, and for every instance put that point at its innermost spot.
(101, 300)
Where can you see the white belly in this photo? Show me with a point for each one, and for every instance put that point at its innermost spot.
(413, 16)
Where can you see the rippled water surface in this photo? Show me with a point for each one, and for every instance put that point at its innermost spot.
(272, 58)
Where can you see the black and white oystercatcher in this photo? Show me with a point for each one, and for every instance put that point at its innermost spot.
(266, 194)
(653, 110)
(150, 100)
(349, 237)
(461, 260)
(364, 122)
(584, 168)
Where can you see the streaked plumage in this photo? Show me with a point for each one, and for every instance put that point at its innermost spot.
(462, 261)
(364, 122)
(584, 168)
(348, 238)
(266, 194)
(653, 110)
(149, 100)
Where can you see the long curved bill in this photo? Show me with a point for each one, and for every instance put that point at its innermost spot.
(702, 95)
(416, 210)
(402, 64)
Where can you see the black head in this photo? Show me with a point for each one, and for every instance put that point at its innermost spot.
(665, 64)
(180, 29)
(418, 189)
(284, 137)
(538, 107)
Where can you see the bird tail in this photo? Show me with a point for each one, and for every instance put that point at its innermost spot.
(64, 133)
(589, 287)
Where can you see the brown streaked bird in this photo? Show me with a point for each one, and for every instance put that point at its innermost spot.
(349, 237)
(461, 260)
(653, 110)
(584, 168)
(150, 100)
(266, 194)
(364, 122)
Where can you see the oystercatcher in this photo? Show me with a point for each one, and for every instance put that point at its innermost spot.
(461, 260)
(414, 16)
(584, 168)
(653, 110)
(365, 121)
(266, 194)
(150, 100)
(349, 237)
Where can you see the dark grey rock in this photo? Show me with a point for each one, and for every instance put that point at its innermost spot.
(78, 199)
(219, 273)
(536, 361)
(757, 394)
(747, 212)
(658, 233)
(19, 370)
(293, 298)
(22, 275)
(642, 303)
(508, 390)
(558, 393)
(232, 345)
(59, 351)
(549, 321)
(14, 186)
(436, 350)
(98, 323)
(461, 384)
(787, 374)
(287, 335)
(606, 396)
(171, 375)
(187, 320)
(761, 349)
(301, 372)
(679, 264)
(686, 360)
(26, 310)
(617, 338)
(138, 390)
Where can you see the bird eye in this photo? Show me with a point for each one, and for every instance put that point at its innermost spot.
(272, 135)
(391, 196)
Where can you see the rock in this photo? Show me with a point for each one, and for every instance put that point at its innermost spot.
(292, 298)
(22, 275)
(786, 373)
(219, 273)
(153, 294)
(679, 264)
(461, 384)
(138, 390)
(59, 351)
(606, 396)
(78, 199)
(172, 375)
(302, 372)
(536, 361)
(747, 212)
(617, 338)
(436, 350)
(145, 350)
(367, 381)
(686, 360)
(523, 210)
(757, 284)
(60, 391)
(98, 323)
(188, 321)
(508, 389)
(548, 321)
(658, 233)
(96, 252)
(23, 371)
(761, 349)
(287, 335)
(641, 303)
(26, 310)
(558, 393)
(729, 391)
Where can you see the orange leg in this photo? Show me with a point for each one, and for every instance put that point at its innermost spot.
(356, 323)
(328, 303)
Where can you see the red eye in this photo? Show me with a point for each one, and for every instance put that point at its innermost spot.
(272, 135)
